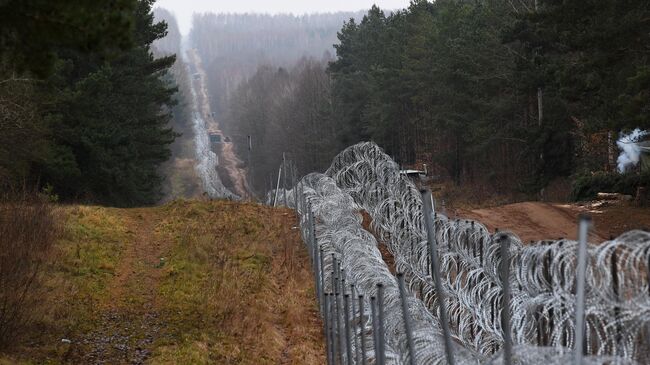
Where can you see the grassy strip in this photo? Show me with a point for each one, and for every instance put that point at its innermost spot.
(232, 286)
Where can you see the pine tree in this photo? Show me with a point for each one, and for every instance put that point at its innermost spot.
(112, 123)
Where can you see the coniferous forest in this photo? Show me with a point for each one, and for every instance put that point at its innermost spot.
(495, 91)
(512, 95)
(85, 107)
(180, 185)
(507, 95)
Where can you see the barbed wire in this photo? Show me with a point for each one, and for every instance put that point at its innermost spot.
(206, 159)
(542, 275)
(346, 244)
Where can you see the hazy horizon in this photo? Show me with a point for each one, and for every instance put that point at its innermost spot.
(184, 9)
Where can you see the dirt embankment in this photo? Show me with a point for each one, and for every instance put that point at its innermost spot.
(186, 283)
(538, 221)
(236, 179)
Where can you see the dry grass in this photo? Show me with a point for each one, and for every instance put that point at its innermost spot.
(250, 300)
(74, 284)
(226, 283)
(28, 228)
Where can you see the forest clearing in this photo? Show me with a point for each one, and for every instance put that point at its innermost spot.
(373, 182)
(158, 284)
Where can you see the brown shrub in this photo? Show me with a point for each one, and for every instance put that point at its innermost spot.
(28, 230)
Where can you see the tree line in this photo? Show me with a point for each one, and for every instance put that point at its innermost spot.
(499, 92)
(509, 94)
(85, 107)
(284, 112)
(233, 46)
(179, 172)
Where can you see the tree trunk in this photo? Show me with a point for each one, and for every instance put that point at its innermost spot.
(457, 167)
(610, 152)
(540, 106)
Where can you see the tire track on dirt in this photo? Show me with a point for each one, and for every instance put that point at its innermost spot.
(129, 323)
(533, 221)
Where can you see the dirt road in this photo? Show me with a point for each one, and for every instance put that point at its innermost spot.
(538, 221)
(130, 322)
(228, 160)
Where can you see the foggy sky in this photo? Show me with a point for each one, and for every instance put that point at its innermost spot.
(183, 9)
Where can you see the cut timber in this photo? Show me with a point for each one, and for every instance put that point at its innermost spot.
(613, 196)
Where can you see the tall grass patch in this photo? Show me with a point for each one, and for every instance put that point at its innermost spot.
(28, 230)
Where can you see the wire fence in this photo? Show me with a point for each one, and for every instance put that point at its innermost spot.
(468, 296)
(207, 160)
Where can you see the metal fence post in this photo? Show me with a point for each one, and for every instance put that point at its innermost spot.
(334, 319)
(348, 337)
(615, 288)
(380, 315)
(431, 236)
(313, 223)
(583, 231)
(322, 269)
(362, 332)
(375, 329)
(505, 309)
(277, 188)
(354, 329)
(309, 217)
(342, 334)
(318, 274)
(303, 198)
(407, 318)
(303, 215)
(284, 177)
(295, 195)
(337, 307)
(310, 224)
(327, 329)
(312, 238)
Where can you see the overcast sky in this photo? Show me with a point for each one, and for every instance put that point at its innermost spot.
(185, 8)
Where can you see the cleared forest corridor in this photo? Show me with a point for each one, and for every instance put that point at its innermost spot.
(375, 182)
(469, 266)
(159, 285)
(228, 164)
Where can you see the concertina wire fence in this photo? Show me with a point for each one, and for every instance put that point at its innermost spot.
(374, 317)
